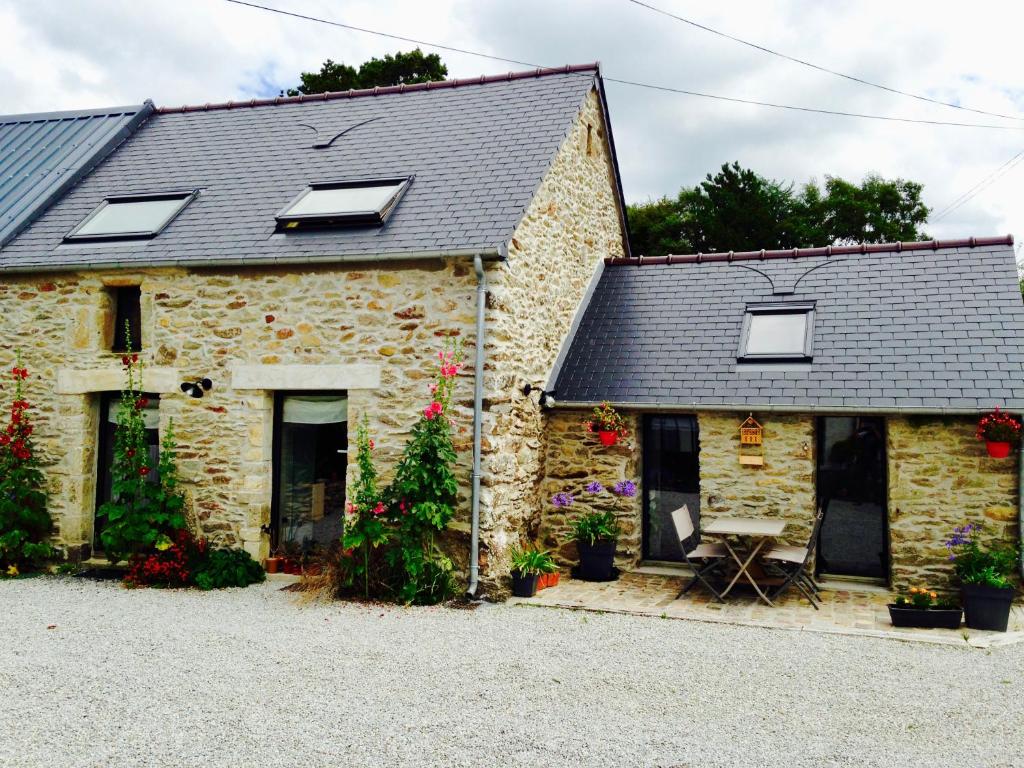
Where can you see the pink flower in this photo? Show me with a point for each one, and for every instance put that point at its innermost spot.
(433, 388)
(436, 407)
(428, 414)
(371, 445)
(379, 509)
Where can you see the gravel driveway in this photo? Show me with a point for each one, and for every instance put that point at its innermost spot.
(253, 678)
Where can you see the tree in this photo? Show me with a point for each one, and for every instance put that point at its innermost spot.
(411, 67)
(740, 210)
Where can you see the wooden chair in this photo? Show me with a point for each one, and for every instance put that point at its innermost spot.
(791, 561)
(702, 558)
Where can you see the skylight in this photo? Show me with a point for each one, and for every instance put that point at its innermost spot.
(780, 332)
(131, 216)
(346, 203)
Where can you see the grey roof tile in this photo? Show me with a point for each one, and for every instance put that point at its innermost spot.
(944, 329)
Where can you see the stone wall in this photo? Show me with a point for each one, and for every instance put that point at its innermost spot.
(570, 226)
(940, 477)
(374, 329)
(572, 459)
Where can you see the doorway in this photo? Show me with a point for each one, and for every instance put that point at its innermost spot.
(310, 463)
(671, 479)
(854, 536)
(110, 407)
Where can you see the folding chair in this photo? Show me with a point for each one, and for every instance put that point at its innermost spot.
(791, 561)
(702, 558)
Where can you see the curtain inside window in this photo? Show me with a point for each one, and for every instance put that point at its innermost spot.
(315, 409)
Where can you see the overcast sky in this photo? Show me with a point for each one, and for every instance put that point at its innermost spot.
(66, 54)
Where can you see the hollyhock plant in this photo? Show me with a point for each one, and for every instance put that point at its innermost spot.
(24, 521)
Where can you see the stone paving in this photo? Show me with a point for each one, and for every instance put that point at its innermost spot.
(843, 611)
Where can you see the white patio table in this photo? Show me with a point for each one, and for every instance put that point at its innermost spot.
(757, 532)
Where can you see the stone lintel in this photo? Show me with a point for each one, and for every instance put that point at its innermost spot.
(81, 381)
(305, 377)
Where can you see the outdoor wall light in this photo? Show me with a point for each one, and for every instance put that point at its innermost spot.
(547, 396)
(196, 388)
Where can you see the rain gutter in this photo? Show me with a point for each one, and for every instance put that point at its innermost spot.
(779, 408)
(478, 399)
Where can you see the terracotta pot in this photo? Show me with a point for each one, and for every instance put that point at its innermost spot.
(608, 438)
(272, 564)
(998, 450)
(548, 580)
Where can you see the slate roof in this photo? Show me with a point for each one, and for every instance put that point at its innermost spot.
(42, 155)
(935, 326)
(478, 150)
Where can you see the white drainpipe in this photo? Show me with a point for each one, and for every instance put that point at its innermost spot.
(478, 399)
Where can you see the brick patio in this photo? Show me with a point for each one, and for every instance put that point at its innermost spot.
(844, 612)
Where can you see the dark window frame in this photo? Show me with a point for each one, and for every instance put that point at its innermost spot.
(647, 478)
(117, 296)
(805, 308)
(185, 197)
(287, 222)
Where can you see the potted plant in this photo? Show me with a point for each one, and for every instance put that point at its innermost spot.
(607, 423)
(983, 574)
(527, 566)
(1000, 431)
(922, 608)
(273, 564)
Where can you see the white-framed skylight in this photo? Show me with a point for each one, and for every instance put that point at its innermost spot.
(128, 217)
(777, 332)
(343, 204)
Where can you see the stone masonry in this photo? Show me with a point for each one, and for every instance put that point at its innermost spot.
(370, 329)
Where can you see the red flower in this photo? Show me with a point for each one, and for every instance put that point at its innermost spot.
(143, 471)
(379, 509)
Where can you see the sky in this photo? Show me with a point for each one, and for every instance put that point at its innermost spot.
(68, 54)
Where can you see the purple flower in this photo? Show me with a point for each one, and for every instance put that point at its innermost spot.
(562, 499)
(594, 487)
(625, 488)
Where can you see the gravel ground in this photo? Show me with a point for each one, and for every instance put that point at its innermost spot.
(254, 678)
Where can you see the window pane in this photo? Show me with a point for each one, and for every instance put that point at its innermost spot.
(143, 216)
(671, 479)
(776, 334)
(345, 200)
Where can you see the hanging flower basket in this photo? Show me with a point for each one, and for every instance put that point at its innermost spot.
(608, 425)
(999, 431)
(997, 450)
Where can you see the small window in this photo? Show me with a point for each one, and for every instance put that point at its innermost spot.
(127, 310)
(777, 333)
(131, 217)
(343, 204)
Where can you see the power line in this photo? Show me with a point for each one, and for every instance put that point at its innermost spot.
(980, 187)
(632, 83)
(819, 67)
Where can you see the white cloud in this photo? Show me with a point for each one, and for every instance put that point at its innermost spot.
(59, 55)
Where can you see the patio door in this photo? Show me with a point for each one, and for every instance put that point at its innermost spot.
(671, 479)
(310, 462)
(110, 406)
(852, 490)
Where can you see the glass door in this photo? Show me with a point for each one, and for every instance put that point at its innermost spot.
(853, 540)
(310, 461)
(110, 406)
(671, 479)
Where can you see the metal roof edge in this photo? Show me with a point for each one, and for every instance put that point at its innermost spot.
(682, 407)
(490, 254)
(31, 117)
(98, 156)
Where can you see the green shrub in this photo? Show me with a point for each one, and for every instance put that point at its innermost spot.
(532, 560)
(223, 568)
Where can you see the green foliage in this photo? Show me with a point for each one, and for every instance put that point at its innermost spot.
(24, 521)
(595, 526)
(227, 568)
(973, 563)
(142, 515)
(532, 560)
(740, 210)
(410, 67)
(366, 526)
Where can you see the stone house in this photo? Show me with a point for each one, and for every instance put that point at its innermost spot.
(867, 368)
(308, 257)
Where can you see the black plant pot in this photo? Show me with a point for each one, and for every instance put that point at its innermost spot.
(597, 560)
(926, 618)
(524, 585)
(987, 607)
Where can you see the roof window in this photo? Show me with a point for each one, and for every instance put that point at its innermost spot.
(781, 332)
(128, 217)
(344, 204)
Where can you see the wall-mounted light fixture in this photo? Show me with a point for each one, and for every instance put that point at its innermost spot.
(547, 396)
(196, 388)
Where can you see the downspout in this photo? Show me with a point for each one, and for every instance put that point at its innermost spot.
(478, 400)
(1020, 504)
